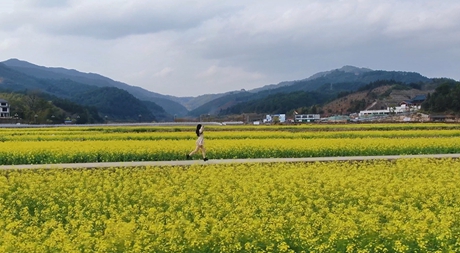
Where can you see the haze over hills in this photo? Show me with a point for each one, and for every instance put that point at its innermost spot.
(345, 69)
(275, 98)
(47, 73)
(117, 103)
(324, 86)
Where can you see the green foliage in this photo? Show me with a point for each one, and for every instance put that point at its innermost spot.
(169, 106)
(377, 84)
(357, 105)
(224, 102)
(158, 111)
(446, 98)
(49, 109)
(343, 94)
(417, 86)
(401, 87)
(84, 89)
(279, 103)
(19, 76)
(65, 88)
(116, 104)
(386, 94)
(78, 87)
(84, 114)
(398, 76)
(325, 86)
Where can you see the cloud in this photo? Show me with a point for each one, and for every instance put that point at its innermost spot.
(218, 46)
(45, 3)
(111, 19)
(287, 36)
(164, 72)
(4, 44)
(6, 7)
(326, 25)
(235, 77)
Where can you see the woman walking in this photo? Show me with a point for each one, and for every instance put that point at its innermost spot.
(199, 143)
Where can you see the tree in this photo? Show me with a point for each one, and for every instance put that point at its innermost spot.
(446, 98)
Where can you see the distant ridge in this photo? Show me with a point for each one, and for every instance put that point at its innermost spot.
(41, 72)
(346, 69)
(317, 88)
(325, 85)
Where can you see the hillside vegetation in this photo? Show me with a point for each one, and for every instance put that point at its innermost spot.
(115, 103)
(339, 91)
(22, 75)
(446, 98)
(48, 109)
(308, 92)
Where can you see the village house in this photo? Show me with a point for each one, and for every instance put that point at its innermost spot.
(414, 103)
(4, 109)
(411, 105)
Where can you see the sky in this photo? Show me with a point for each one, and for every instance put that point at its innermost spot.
(195, 47)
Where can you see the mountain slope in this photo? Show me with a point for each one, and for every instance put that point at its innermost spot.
(341, 80)
(345, 69)
(33, 107)
(105, 101)
(375, 97)
(115, 104)
(215, 106)
(16, 81)
(279, 103)
(41, 72)
(329, 83)
(326, 85)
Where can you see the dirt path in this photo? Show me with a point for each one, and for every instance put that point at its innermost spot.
(220, 161)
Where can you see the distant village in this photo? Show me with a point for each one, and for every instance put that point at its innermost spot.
(407, 111)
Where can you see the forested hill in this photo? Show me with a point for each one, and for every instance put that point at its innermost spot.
(93, 90)
(118, 103)
(41, 108)
(321, 88)
(59, 74)
(445, 99)
(279, 103)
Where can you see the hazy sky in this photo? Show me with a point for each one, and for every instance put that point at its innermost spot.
(189, 48)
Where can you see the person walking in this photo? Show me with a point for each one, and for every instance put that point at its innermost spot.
(199, 143)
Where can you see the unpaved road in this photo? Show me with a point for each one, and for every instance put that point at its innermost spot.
(220, 161)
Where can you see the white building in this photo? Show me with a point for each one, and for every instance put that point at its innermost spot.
(411, 105)
(374, 112)
(390, 110)
(307, 117)
(4, 109)
(275, 117)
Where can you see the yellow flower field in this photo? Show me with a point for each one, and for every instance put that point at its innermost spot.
(114, 144)
(45, 152)
(407, 205)
(219, 134)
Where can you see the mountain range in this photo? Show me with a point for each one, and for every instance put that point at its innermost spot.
(105, 94)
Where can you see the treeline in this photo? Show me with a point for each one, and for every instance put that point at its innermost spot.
(311, 101)
(398, 85)
(279, 103)
(35, 107)
(117, 104)
(97, 105)
(445, 99)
